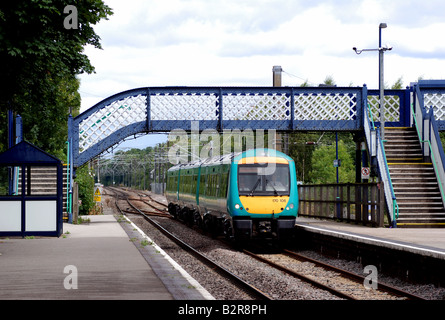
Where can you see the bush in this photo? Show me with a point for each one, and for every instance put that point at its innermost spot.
(86, 190)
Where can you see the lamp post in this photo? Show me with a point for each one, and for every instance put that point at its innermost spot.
(381, 51)
(381, 83)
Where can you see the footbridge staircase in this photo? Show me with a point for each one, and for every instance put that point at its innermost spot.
(409, 160)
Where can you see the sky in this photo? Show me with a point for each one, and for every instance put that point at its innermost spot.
(157, 43)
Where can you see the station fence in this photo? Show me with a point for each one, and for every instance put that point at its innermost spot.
(360, 203)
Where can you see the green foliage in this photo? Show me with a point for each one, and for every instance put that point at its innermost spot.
(40, 60)
(302, 147)
(398, 85)
(39, 63)
(34, 44)
(86, 189)
(323, 170)
(133, 167)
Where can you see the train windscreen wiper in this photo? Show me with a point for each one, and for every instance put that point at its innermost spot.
(275, 192)
(255, 186)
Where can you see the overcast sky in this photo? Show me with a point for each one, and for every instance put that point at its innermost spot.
(148, 43)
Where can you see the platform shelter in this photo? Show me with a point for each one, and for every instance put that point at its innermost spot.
(24, 209)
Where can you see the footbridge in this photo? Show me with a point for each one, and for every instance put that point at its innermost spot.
(146, 110)
(284, 109)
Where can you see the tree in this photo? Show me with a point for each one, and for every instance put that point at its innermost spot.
(398, 85)
(40, 59)
(323, 170)
(329, 81)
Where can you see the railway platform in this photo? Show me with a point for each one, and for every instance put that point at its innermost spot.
(416, 254)
(99, 260)
(421, 241)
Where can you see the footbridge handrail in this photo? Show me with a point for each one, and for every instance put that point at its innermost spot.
(376, 148)
(390, 195)
(428, 133)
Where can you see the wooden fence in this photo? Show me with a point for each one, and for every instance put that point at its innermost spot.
(361, 203)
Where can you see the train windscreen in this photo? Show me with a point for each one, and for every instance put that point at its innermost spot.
(267, 179)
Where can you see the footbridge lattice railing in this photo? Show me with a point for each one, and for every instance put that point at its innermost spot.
(164, 109)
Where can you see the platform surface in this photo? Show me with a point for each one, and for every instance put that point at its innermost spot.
(99, 258)
(424, 241)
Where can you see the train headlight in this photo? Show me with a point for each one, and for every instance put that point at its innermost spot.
(237, 206)
(291, 206)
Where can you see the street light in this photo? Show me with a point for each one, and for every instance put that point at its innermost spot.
(381, 51)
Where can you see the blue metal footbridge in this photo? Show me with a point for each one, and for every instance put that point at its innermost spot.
(284, 109)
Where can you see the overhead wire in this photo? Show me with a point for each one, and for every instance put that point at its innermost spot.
(298, 77)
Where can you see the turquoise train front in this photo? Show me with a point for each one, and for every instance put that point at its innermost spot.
(246, 195)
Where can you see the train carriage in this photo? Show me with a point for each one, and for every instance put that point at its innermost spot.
(245, 195)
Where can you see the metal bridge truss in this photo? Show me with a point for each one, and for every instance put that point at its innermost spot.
(146, 110)
(433, 95)
(287, 109)
(284, 109)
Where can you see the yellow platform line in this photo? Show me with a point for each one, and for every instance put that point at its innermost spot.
(421, 224)
(404, 159)
(410, 164)
(397, 128)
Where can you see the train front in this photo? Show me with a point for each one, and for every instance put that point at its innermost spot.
(263, 201)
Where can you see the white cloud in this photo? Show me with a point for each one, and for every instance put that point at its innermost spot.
(236, 42)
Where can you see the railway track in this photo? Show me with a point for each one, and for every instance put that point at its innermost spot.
(340, 283)
(252, 291)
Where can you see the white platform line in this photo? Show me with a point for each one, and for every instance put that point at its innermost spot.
(175, 265)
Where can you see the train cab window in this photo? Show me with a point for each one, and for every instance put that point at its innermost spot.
(263, 179)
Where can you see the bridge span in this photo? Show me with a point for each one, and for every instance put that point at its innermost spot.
(164, 109)
(283, 109)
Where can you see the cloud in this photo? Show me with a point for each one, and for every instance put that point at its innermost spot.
(237, 42)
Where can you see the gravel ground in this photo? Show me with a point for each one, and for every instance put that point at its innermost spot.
(273, 282)
(427, 291)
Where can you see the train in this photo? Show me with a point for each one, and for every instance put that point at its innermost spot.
(244, 195)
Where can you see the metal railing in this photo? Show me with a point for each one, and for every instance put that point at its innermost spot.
(377, 148)
(431, 151)
(386, 178)
(349, 202)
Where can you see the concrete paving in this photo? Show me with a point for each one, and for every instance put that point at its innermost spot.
(423, 241)
(97, 260)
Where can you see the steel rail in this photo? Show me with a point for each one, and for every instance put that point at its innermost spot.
(158, 212)
(301, 276)
(154, 200)
(251, 290)
(353, 276)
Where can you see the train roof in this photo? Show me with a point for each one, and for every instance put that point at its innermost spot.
(263, 152)
(228, 158)
(225, 158)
